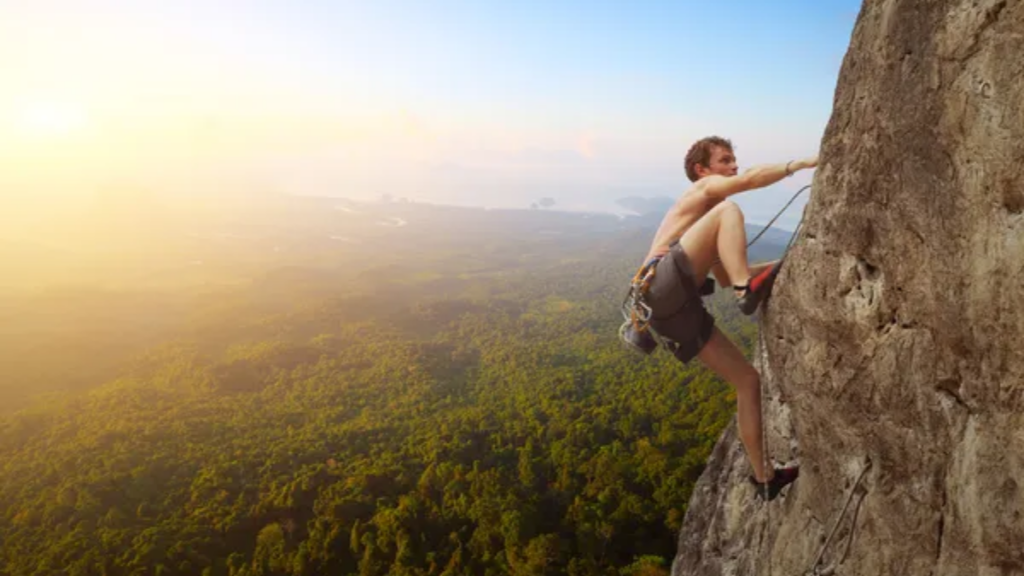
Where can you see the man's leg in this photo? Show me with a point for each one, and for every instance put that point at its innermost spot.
(722, 357)
(718, 234)
(721, 234)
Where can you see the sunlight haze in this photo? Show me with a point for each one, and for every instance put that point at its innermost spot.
(452, 102)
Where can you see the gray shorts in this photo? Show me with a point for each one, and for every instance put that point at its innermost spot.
(677, 311)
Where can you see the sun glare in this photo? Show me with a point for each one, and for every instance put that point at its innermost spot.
(44, 119)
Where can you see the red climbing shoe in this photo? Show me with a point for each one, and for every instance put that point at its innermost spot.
(783, 477)
(755, 291)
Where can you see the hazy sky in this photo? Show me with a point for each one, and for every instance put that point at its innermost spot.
(489, 103)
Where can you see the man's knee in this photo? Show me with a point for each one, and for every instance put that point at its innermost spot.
(730, 209)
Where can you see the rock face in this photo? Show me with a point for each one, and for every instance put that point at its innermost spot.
(893, 344)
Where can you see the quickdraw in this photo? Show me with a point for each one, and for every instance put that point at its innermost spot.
(636, 330)
(637, 311)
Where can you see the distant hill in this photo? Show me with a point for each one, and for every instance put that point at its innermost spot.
(63, 304)
(641, 205)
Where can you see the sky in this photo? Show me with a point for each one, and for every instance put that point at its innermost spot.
(475, 103)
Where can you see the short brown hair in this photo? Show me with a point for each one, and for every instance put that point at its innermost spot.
(700, 153)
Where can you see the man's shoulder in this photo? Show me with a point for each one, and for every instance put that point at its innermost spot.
(710, 180)
(696, 194)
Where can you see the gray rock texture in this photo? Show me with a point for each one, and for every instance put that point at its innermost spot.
(893, 344)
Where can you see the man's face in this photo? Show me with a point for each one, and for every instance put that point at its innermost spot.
(723, 162)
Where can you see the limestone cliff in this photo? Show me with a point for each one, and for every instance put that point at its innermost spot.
(895, 334)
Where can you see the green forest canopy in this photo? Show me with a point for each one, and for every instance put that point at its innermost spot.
(458, 405)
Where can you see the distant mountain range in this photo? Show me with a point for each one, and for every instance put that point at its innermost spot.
(641, 205)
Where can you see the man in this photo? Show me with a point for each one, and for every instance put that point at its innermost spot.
(704, 232)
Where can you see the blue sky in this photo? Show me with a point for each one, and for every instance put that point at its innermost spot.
(481, 103)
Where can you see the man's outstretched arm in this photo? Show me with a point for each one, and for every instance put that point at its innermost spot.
(718, 188)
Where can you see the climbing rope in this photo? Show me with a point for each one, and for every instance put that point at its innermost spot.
(772, 221)
(776, 217)
(816, 569)
(765, 463)
(760, 333)
(764, 438)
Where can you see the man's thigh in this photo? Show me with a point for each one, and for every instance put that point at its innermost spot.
(700, 242)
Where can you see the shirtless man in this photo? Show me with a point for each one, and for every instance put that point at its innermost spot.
(704, 232)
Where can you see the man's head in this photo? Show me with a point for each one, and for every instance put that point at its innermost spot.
(711, 155)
